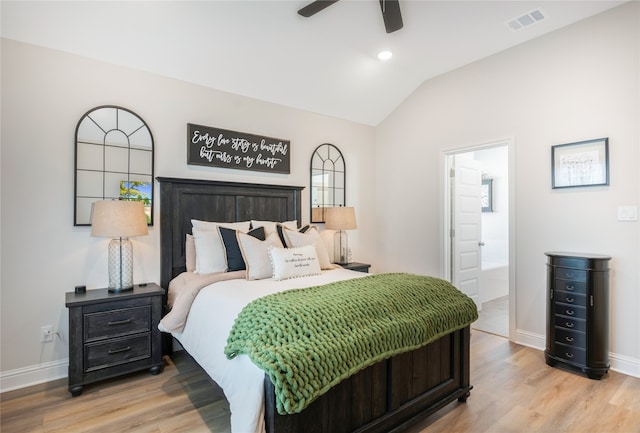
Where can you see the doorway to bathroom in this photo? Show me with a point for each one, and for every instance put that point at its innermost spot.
(478, 226)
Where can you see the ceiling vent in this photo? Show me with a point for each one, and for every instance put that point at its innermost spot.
(526, 20)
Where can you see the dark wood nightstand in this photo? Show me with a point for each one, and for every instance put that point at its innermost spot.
(111, 334)
(355, 266)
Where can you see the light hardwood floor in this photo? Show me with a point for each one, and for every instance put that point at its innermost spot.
(514, 391)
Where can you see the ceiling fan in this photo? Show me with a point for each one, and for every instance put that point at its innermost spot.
(390, 12)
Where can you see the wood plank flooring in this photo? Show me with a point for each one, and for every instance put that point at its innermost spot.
(514, 391)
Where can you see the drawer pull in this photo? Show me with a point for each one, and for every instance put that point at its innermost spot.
(568, 324)
(570, 275)
(119, 322)
(568, 355)
(570, 312)
(124, 349)
(570, 288)
(569, 339)
(571, 300)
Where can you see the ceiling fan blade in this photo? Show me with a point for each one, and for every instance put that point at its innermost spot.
(315, 7)
(391, 15)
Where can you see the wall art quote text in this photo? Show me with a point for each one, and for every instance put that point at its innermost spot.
(215, 147)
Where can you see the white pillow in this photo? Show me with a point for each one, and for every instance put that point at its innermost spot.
(270, 226)
(294, 262)
(213, 226)
(210, 254)
(210, 251)
(256, 254)
(190, 253)
(296, 239)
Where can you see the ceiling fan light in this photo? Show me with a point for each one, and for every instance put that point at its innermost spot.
(385, 55)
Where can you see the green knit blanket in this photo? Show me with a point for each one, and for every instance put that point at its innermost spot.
(308, 340)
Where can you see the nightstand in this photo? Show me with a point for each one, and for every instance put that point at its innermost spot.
(355, 266)
(111, 334)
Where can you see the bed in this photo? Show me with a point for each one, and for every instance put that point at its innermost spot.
(389, 395)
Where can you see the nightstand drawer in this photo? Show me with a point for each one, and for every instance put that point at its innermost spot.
(117, 351)
(117, 323)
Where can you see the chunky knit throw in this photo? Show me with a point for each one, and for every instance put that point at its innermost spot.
(308, 340)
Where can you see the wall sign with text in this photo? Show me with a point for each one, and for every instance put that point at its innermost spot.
(215, 147)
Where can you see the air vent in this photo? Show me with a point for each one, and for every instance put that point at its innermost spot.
(526, 20)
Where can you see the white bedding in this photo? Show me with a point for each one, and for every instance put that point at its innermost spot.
(205, 335)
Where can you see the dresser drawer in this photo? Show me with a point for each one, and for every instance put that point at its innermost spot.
(117, 351)
(571, 353)
(571, 274)
(571, 298)
(571, 323)
(568, 310)
(570, 337)
(117, 323)
(571, 286)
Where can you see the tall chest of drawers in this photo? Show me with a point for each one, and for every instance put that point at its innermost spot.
(111, 334)
(578, 312)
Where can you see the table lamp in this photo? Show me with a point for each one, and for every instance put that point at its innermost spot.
(340, 219)
(119, 220)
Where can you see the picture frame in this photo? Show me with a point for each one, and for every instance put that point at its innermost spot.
(486, 195)
(583, 163)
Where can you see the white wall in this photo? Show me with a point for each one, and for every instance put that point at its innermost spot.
(577, 83)
(44, 94)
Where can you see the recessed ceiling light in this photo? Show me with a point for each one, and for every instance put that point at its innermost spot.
(385, 55)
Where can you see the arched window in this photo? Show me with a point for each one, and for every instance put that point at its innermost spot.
(328, 174)
(114, 160)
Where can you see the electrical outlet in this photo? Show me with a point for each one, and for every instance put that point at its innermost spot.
(46, 333)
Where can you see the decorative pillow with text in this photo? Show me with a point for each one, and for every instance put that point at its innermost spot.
(296, 239)
(294, 262)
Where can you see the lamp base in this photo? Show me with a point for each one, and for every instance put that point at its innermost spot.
(118, 290)
(120, 265)
(340, 247)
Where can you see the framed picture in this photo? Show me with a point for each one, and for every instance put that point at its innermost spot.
(585, 163)
(486, 195)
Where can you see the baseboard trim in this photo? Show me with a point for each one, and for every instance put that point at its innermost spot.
(41, 373)
(529, 339)
(33, 375)
(619, 363)
(625, 364)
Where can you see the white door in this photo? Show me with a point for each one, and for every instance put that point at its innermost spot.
(467, 216)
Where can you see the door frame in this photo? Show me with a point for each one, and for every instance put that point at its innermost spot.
(446, 217)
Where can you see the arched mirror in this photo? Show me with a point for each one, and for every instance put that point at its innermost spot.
(114, 160)
(327, 180)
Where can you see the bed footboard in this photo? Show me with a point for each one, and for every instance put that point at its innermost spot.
(388, 396)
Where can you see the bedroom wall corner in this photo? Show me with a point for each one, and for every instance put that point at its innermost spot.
(577, 83)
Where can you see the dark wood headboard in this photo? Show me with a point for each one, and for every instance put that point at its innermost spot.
(184, 199)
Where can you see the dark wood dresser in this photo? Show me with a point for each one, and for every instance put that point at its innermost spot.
(111, 334)
(578, 312)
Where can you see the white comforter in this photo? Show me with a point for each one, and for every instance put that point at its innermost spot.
(205, 335)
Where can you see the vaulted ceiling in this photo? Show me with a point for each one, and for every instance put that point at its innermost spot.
(263, 49)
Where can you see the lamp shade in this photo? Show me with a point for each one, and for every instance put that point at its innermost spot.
(118, 219)
(340, 218)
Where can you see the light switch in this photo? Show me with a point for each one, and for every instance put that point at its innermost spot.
(627, 213)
